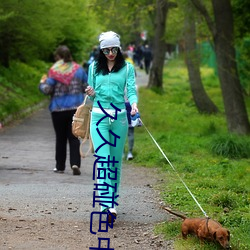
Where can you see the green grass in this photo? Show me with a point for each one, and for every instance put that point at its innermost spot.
(19, 88)
(214, 164)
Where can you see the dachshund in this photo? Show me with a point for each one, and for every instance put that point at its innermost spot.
(204, 229)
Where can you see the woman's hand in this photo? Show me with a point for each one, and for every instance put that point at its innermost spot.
(43, 79)
(134, 109)
(90, 91)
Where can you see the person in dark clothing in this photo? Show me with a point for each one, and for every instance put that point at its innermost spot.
(147, 54)
(139, 56)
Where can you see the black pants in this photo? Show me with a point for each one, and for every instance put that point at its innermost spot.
(130, 139)
(62, 122)
(147, 66)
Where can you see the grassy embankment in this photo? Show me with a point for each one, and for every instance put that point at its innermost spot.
(19, 92)
(214, 164)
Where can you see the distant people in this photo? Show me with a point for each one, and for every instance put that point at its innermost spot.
(109, 125)
(127, 57)
(85, 66)
(93, 55)
(147, 55)
(130, 52)
(65, 84)
(138, 56)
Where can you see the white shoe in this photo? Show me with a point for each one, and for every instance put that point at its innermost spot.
(113, 211)
(112, 215)
(76, 170)
(129, 156)
(58, 171)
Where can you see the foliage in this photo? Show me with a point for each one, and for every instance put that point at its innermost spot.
(19, 88)
(230, 146)
(175, 25)
(127, 17)
(219, 183)
(241, 17)
(242, 37)
(243, 60)
(27, 33)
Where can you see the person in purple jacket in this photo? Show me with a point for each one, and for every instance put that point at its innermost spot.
(65, 83)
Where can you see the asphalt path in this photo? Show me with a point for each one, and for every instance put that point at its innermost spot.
(31, 190)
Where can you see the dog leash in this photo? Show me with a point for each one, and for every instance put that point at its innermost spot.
(174, 169)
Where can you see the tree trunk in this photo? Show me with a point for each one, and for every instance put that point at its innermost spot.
(201, 99)
(159, 46)
(235, 109)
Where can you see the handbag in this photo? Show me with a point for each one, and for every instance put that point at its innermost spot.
(81, 126)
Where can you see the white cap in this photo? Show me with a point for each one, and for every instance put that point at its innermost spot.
(109, 39)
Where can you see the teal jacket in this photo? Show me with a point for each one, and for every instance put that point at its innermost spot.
(112, 87)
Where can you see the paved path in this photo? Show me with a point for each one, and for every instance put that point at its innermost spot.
(31, 191)
(141, 78)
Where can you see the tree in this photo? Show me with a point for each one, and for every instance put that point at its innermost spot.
(223, 38)
(159, 44)
(126, 17)
(201, 99)
(242, 33)
(241, 17)
(28, 33)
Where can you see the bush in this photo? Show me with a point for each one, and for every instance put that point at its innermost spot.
(231, 146)
(224, 200)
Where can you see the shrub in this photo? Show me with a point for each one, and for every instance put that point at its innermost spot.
(223, 200)
(231, 146)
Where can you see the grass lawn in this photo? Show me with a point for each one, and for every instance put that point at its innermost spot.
(214, 164)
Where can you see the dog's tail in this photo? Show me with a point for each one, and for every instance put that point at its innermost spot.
(175, 213)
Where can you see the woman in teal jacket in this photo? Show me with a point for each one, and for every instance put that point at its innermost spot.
(108, 78)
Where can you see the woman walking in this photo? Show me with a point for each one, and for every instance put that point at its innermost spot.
(108, 78)
(65, 84)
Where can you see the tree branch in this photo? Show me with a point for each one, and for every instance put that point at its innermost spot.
(202, 9)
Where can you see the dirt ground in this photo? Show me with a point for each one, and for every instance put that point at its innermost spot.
(40, 209)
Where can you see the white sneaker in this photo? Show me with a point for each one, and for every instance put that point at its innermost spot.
(112, 215)
(58, 171)
(76, 170)
(113, 211)
(129, 156)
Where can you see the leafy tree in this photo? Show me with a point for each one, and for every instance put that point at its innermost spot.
(126, 17)
(201, 99)
(78, 29)
(28, 33)
(242, 33)
(156, 72)
(221, 28)
(241, 18)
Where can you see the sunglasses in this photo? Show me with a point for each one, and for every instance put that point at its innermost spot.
(106, 51)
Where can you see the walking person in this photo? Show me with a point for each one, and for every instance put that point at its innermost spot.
(147, 54)
(65, 84)
(108, 78)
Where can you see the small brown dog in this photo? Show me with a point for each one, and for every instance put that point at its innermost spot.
(204, 229)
